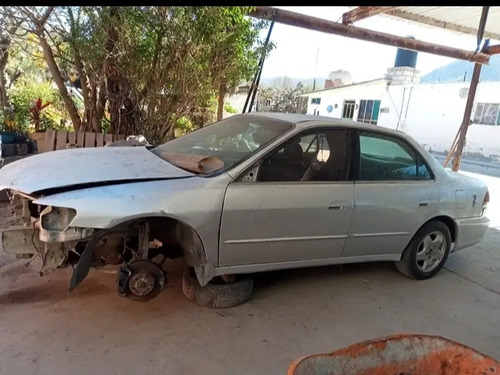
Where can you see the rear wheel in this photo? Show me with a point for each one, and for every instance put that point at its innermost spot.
(218, 293)
(427, 252)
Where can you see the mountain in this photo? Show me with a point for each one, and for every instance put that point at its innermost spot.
(455, 72)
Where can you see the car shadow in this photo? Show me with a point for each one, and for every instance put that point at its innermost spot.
(479, 264)
(268, 280)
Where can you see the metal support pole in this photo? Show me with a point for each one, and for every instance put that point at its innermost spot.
(256, 79)
(457, 158)
(466, 121)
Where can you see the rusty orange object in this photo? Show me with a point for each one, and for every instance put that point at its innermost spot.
(402, 354)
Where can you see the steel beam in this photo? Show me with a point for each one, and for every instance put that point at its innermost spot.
(330, 27)
(493, 50)
(360, 13)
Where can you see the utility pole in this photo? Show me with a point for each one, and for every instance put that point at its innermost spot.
(315, 70)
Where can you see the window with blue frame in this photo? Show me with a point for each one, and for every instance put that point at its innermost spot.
(369, 111)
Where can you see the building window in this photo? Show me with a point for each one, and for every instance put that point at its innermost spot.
(268, 102)
(315, 100)
(487, 114)
(348, 111)
(368, 111)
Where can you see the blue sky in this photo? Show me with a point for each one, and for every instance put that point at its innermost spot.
(296, 48)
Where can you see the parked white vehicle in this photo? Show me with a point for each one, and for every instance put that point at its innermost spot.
(251, 193)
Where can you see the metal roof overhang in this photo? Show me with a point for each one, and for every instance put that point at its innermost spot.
(465, 20)
(457, 19)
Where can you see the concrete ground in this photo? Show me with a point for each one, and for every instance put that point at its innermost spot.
(292, 313)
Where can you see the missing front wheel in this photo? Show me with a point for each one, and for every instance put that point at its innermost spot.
(140, 280)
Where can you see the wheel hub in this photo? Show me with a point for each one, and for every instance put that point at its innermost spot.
(431, 251)
(141, 284)
(140, 280)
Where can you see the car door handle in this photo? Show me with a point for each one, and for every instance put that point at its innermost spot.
(336, 207)
(426, 203)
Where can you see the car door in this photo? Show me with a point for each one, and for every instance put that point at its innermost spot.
(291, 211)
(395, 195)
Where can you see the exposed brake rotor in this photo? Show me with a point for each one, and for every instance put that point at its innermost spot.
(140, 280)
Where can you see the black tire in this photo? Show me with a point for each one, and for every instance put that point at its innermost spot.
(408, 265)
(217, 294)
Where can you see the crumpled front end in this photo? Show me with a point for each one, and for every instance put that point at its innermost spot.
(42, 231)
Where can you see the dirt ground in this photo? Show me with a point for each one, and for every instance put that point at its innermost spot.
(43, 330)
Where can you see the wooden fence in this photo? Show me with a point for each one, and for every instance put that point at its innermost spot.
(58, 140)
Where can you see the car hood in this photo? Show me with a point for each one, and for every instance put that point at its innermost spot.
(81, 166)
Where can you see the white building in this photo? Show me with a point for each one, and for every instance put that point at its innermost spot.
(429, 112)
(238, 99)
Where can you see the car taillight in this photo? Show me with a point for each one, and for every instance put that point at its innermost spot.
(486, 198)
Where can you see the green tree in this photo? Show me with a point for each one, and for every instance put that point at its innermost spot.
(23, 96)
(144, 67)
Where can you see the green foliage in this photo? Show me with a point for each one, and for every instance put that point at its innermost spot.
(183, 126)
(26, 60)
(22, 97)
(230, 109)
(176, 59)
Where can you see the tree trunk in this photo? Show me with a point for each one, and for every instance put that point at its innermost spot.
(111, 69)
(220, 106)
(171, 132)
(5, 44)
(89, 108)
(4, 58)
(58, 79)
(93, 116)
(101, 102)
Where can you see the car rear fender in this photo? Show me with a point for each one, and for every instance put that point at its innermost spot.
(447, 220)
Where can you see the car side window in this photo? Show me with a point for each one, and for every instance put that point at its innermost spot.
(322, 155)
(386, 158)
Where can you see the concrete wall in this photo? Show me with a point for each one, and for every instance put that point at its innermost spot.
(432, 114)
(237, 101)
(400, 75)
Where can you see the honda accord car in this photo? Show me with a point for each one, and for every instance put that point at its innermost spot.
(250, 193)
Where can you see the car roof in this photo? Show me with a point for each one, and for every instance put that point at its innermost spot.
(304, 120)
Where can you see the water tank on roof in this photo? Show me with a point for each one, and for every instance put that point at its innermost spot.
(343, 76)
(406, 57)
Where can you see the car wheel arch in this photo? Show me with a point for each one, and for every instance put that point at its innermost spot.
(450, 223)
(446, 220)
(190, 240)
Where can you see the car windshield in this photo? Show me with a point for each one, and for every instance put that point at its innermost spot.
(223, 144)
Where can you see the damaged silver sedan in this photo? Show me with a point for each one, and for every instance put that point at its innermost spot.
(251, 193)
